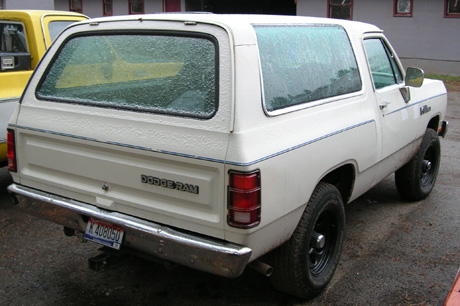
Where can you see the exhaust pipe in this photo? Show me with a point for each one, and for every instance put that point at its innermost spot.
(13, 198)
(261, 267)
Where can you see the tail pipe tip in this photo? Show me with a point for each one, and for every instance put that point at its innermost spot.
(261, 267)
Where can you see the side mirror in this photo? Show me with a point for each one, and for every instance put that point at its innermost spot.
(414, 77)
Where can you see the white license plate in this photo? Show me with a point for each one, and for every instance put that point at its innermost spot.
(104, 233)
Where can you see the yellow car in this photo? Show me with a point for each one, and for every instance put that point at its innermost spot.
(24, 38)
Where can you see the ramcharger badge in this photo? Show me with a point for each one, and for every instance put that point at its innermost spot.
(425, 109)
(146, 179)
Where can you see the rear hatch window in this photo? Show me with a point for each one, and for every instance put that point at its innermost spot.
(167, 73)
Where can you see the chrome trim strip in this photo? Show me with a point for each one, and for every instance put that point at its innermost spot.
(276, 153)
(414, 104)
(42, 24)
(263, 158)
(12, 99)
(188, 249)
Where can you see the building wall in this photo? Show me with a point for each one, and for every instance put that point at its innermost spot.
(62, 5)
(426, 40)
(312, 8)
(192, 5)
(93, 8)
(28, 5)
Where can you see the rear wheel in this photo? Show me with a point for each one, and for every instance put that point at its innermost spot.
(416, 179)
(305, 264)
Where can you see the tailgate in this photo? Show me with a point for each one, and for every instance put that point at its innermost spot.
(166, 175)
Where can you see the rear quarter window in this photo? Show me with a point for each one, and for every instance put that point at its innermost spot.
(166, 73)
(305, 63)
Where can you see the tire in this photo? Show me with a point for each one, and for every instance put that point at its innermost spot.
(416, 179)
(304, 265)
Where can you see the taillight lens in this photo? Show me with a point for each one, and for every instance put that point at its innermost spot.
(244, 196)
(11, 151)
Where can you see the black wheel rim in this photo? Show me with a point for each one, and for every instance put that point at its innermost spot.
(322, 242)
(428, 167)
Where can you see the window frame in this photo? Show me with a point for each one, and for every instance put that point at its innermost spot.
(131, 2)
(167, 4)
(446, 11)
(332, 5)
(71, 6)
(107, 3)
(392, 60)
(396, 13)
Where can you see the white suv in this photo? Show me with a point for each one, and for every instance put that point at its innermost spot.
(213, 140)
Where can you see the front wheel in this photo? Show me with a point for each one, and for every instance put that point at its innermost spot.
(305, 264)
(416, 179)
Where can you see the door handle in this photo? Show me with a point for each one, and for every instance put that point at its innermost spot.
(384, 105)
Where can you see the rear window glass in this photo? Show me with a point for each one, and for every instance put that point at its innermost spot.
(305, 63)
(55, 27)
(160, 73)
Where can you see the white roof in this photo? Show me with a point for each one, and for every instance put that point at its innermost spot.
(241, 25)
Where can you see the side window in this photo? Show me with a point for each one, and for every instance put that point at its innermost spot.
(301, 64)
(13, 37)
(403, 8)
(107, 8)
(75, 6)
(136, 6)
(452, 8)
(340, 9)
(384, 69)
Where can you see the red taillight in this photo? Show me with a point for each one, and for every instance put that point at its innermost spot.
(244, 199)
(11, 151)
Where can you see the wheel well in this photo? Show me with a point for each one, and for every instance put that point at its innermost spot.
(343, 179)
(434, 124)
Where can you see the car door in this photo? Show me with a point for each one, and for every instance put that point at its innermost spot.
(397, 115)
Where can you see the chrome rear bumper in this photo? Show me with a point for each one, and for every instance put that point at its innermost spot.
(188, 249)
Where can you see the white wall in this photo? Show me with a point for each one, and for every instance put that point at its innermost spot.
(312, 8)
(153, 6)
(93, 8)
(427, 39)
(28, 5)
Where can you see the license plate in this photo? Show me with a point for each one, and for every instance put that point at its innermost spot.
(104, 233)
